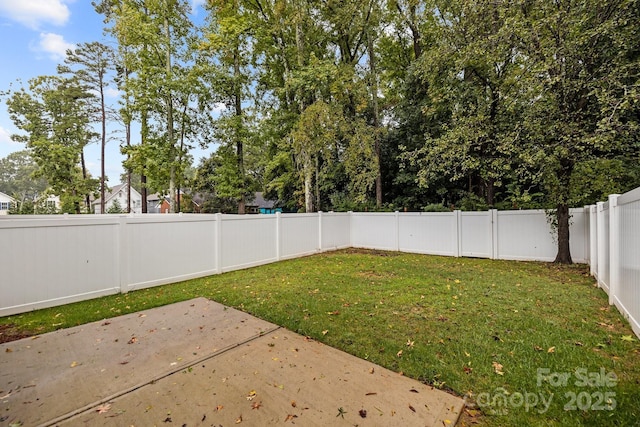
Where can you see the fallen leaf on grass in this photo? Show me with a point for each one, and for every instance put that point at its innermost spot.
(399, 354)
(537, 348)
(497, 367)
(551, 349)
(467, 370)
(627, 338)
(333, 313)
(325, 332)
(103, 408)
(410, 343)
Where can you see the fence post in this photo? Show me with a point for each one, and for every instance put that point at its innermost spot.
(457, 234)
(614, 247)
(218, 243)
(278, 235)
(397, 231)
(319, 231)
(593, 241)
(123, 255)
(494, 234)
(601, 242)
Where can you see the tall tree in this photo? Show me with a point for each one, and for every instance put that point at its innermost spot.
(91, 63)
(55, 114)
(18, 178)
(577, 49)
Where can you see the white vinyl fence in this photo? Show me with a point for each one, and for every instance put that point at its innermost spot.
(614, 252)
(53, 260)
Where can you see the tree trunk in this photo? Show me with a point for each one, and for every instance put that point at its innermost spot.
(376, 114)
(103, 144)
(562, 212)
(87, 198)
(564, 253)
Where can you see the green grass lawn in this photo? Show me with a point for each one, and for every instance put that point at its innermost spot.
(528, 343)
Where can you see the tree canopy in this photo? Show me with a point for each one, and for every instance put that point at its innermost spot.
(366, 104)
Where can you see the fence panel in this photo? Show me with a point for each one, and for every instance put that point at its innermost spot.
(336, 230)
(374, 231)
(603, 245)
(247, 241)
(476, 234)
(45, 263)
(163, 249)
(299, 235)
(627, 298)
(428, 233)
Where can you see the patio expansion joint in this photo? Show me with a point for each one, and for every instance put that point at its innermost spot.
(157, 378)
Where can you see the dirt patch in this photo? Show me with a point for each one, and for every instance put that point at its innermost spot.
(9, 332)
(375, 252)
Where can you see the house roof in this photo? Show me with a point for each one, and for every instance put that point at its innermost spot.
(114, 190)
(261, 202)
(7, 196)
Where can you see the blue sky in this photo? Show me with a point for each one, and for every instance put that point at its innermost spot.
(35, 35)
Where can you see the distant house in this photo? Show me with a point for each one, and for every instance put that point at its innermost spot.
(260, 205)
(6, 203)
(117, 198)
(160, 204)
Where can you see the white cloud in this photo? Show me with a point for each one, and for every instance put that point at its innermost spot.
(54, 45)
(33, 13)
(112, 92)
(5, 137)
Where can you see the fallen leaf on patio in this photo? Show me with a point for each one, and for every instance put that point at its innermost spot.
(73, 364)
(239, 419)
(372, 370)
(8, 350)
(142, 315)
(446, 422)
(293, 403)
(362, 413)
(124, 362)
(399, 354)
(168, 420)
(256, 405)
(219, 408)
(290, 417)
(132, 340)
(627, 338)
(251, 395)
(551, 349)
(16, 424)
(371, 393)
(413, 390)
(497, 367)
(103, 408)
(412, 408)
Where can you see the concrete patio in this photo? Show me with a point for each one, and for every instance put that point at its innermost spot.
(200, 363)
